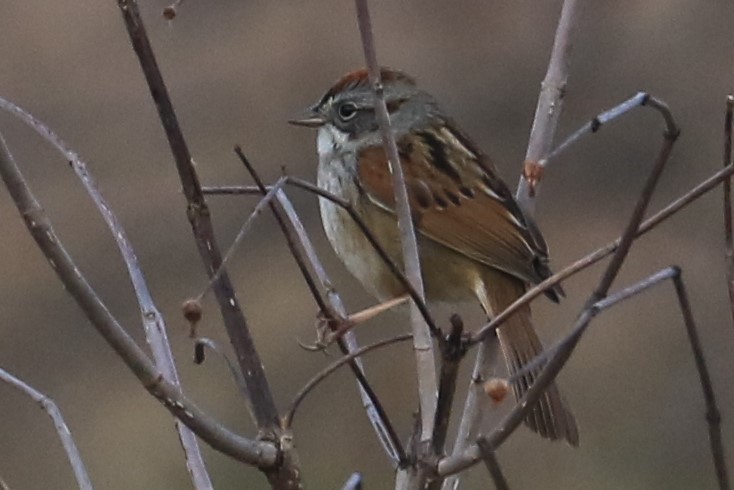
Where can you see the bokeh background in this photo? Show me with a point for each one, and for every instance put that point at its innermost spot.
(236, 72)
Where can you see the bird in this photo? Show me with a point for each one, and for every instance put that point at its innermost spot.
(474, 241)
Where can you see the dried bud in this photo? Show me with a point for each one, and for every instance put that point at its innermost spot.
(496, 389)
(192, 311)
(533, 173)
(198, 353)
(169, 12)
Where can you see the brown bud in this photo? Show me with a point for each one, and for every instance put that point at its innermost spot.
(192, 310)
(169, 12)
(496, 389)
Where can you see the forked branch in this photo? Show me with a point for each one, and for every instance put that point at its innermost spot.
(264, 408)
(261, 454)
(153, 324)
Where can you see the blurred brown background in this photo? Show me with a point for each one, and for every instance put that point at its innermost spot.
(236, 72)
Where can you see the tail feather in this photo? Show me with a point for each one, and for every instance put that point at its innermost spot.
(550, 418)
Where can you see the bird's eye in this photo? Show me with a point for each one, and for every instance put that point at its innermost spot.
(347, 111)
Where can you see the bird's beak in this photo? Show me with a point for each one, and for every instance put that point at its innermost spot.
(311, 119)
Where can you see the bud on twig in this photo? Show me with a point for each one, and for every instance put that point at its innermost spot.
(496, 389)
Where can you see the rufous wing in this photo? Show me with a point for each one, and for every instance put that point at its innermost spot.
(456, 200)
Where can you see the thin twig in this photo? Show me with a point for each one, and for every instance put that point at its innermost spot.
(471, 416)
(347, 344)
(422, 343)
(640, 99)
(550, 371)
(560, 353)
(323, 374)
(244, 229)
(52, 410)
(354, 482)
(673, 207)
(670, 135)
(601, 305)
(713, 416)
(492, 465)
(452, 353)
(208, 343)
(261, 454)
(229, 190)
(587, 261)
(333, 310)
(154, 325)
(728, 240)
(542, 134)
(323, 306)
(548, 110)
(248, 358)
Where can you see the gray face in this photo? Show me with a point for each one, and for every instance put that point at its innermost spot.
(353, 111)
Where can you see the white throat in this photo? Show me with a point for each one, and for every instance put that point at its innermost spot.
(332, 143)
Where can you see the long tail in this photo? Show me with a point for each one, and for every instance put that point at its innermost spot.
(550, 418)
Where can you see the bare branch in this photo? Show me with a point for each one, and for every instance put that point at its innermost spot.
(452, 353)
(354, 482)
(153, 324)
(261, 454)
(202, 343)
(549, 372)
(244, 229)
(728, 240)
(333, 310)
(323, 306)
(52, 410)
(640, 99)
(199, 217)
(594, 257)
(348, 344)
(713, 416)
(669, 136)
(548, 110)
(229, 190)
(422, 343)
(493, 466)
(560, 353)
(471, 416)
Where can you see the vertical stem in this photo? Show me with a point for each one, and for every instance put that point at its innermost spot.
(729, 242)
(713, 416)
(422, 343)
(550, 103)
(248, 358)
